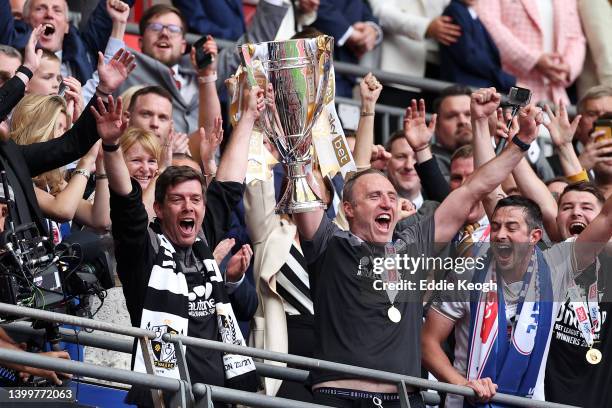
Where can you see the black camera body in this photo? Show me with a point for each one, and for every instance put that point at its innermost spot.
(35, 273)
(519, 96)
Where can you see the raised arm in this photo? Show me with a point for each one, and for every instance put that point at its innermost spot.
(562, 133)
(454, 210)
(209, 105)
(209, 143)
(96, 214)
(119, 13)
(12, 91)
(369, 90)
(42, 157)
(233, 164)
(110, 126)
(483, 106)
(100, 27)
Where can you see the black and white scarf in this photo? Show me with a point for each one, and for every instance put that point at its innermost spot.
(165, 310)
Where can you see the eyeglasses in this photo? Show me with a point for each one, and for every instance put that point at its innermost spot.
(158, 28)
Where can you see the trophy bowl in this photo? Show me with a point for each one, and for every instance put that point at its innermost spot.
(294, 75)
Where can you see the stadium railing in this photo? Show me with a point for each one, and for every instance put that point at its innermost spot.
(183, 390)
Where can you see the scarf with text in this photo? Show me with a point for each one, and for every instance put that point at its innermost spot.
(511, 363)
(165, 310)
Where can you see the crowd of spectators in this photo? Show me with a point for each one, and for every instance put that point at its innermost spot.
(132, 145)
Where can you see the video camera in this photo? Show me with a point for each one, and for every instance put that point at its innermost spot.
(517, 98)
(36, 273)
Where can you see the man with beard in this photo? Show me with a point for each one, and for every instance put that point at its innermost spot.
(518, 267)
(503, 335)
(574, 372)
(453, 128)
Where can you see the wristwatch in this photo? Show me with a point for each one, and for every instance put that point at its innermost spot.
(524, 146)
(82, 172)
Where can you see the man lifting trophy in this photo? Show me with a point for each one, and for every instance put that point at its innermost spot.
(295, 75)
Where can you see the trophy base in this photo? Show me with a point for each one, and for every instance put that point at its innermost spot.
(298, 196)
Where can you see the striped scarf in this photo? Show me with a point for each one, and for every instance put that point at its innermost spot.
(514, 365)
(165, 310)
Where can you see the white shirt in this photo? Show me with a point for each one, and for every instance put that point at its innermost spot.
(188, 85)
(418, 201)
(65, 69)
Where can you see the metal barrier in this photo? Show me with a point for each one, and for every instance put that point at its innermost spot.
(171, 385)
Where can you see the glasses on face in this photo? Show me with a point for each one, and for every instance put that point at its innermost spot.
(173, 29)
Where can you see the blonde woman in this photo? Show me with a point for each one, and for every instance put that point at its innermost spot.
(142, 153)
(39, 119)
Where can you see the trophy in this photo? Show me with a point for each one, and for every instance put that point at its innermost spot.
(295, 75)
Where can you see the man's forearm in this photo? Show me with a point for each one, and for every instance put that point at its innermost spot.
(364, 138)
(492, 173)
(233, 164)
(118, 30)
(481, 142)
(436, 361)
(569, 160)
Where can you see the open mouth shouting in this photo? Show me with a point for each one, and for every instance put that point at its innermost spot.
(187, 226)
(576, 227)
(503, 251)
(49, 30)
(383, 222)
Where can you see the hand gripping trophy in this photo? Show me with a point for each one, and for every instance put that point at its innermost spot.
(295, 75)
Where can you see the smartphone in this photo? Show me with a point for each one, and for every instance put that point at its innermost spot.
(203, 59)
(62, 89)
(603, 124)
(519, 96)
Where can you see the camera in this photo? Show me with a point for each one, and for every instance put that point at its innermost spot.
(519, 96)
(35, 273)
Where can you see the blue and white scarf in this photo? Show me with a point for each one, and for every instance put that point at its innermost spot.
(513, 365)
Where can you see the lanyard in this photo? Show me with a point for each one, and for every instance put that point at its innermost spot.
(392, 273)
